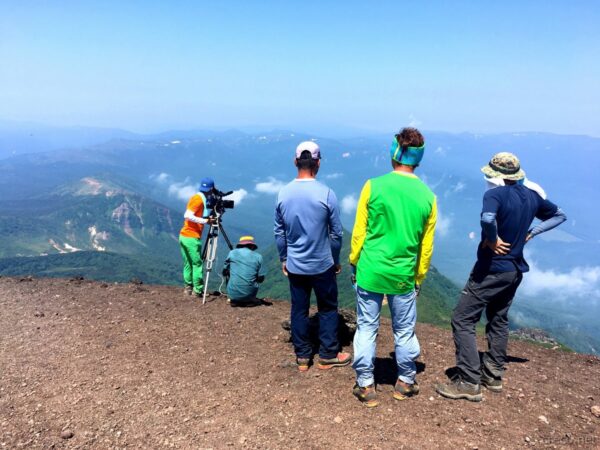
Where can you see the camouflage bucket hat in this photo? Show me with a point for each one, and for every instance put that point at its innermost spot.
(504, 165)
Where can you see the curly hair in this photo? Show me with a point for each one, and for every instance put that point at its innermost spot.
(410, 137)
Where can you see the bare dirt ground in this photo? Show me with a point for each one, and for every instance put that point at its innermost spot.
(143, 367)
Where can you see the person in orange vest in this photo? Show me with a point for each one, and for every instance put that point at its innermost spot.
(190, 237)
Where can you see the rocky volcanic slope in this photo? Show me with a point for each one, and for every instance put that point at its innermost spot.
(94, 365)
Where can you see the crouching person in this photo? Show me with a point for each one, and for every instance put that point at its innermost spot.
(244, 270)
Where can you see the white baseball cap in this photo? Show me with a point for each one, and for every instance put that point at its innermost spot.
(311, 146)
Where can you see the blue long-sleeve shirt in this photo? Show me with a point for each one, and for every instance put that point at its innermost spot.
(308, 230)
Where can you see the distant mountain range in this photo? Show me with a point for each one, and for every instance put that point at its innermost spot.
(132, 191)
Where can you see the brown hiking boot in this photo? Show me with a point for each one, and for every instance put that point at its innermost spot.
(491, 383)
(404, 390)
(367, 395)
(342, 359)
(460, 389)
(303, 364)
(188, 290)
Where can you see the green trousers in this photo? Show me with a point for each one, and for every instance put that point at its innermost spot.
(191, 251)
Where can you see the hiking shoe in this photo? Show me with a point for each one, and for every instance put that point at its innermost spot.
(491, 383)
(303, 364)
(404, 390)
(460, 389)
(367, 395)
(188, 290)
(342, 359)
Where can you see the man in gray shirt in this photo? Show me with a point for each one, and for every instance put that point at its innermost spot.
(308, 232)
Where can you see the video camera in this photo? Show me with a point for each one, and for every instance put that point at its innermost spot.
(218, 204)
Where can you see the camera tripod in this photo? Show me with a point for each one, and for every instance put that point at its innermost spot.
(209, 252)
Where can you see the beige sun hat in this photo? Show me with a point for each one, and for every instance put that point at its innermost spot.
(504, 165)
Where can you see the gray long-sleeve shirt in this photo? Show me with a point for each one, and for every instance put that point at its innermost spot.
(308, 230)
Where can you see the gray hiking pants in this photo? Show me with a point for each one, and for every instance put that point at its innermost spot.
(492, 292)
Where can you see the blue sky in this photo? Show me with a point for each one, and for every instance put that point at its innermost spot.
(375, 66)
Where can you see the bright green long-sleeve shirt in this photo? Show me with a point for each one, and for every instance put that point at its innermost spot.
(392, 240)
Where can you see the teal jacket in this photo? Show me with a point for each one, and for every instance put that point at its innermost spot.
(245, 269)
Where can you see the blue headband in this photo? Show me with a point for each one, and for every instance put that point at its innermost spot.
(410, 156)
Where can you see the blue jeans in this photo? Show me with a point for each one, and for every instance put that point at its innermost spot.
(404, 317)
(325, 287)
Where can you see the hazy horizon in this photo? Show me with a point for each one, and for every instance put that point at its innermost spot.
(324, 130)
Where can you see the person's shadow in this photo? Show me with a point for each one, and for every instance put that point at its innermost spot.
(386, 370)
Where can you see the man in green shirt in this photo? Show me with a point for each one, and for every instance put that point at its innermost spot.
(244, 268)
(392, 244)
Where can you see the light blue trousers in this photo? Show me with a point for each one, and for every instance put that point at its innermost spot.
(404, 317)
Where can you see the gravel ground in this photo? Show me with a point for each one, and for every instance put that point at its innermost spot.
(94, 365)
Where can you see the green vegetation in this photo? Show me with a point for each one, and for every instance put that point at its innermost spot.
(94, 265)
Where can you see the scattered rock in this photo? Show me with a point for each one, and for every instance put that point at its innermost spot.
(544, 419)
(346, 327)
(337, 419)
(67, 434)
(136, 280)
(39, 314)
(595, 410)
(534, 334)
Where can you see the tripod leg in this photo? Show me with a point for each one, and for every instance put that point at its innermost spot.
(210, 258)
(225, 236)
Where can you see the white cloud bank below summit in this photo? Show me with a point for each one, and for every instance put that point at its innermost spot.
(182, 190)
(238, 195)
(443, 225)
(580, 282)
(272, 186)
(348, 204)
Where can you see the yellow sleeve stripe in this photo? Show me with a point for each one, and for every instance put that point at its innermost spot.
(426, 249)
(359, 232)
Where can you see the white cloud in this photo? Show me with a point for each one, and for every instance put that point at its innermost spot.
(238, 196)
(346, 155)
(333, 176)
(348, 204)
(413, 121)
(582, 282)
(443, 225)
(472, 235)
(273, 186)
(459, 187)
(182, 190)
(440, 151)
(161, 178)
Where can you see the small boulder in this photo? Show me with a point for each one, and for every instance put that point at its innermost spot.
(595, 410)
(67, 434)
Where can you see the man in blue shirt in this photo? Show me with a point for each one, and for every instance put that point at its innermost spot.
(308, 233)
(244, 268)
(506, 218)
